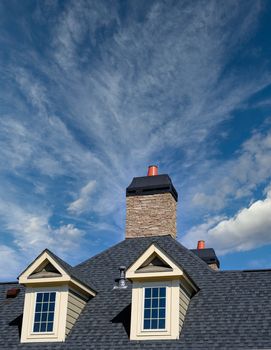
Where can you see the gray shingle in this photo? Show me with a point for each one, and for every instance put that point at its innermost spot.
(231, 310)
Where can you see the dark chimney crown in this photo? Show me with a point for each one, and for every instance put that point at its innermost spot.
(208, 255)
(146, 185)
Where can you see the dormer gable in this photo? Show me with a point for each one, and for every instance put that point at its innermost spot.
(154, 262)
(48, 268)
(161, 291)
(54, 299)
(45, 268)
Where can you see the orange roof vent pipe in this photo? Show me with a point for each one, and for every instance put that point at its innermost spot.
(201, 245)
(152, 170)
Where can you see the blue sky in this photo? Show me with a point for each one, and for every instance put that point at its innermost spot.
(92, 92)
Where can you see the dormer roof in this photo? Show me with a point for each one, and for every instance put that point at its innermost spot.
(48, 268)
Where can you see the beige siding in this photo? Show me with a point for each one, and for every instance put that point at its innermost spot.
(76, 303)
(184, 302)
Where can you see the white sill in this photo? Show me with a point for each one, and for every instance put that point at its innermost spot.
(154, 330)
(41, 333)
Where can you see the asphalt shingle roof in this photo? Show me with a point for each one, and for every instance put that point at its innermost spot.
(232, 309)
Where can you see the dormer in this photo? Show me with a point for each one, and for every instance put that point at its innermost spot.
(161, 292)
(54, 299)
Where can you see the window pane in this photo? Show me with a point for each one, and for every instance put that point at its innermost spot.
(36, 327)
(162, 292)
(162, 313)
(50, 327)
(147, 303)
(46, 297)
(155, 302)
(37, 317)
(154, 313)
(52, 296)
(50, 316)
(43, 327)
(162, 324)
(162, 302)
(155, 292)
(147, 313)
(39, 297)
(147, 292)
(147, 324)
(52, 307)
(44, 307)
(38, 307)
(154, 324)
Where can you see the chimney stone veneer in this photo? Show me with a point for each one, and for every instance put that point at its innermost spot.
(151, 215)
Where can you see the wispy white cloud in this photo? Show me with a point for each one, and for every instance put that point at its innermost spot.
(79, 20)
(31, 232)
(12, 261)
(34, 91)
(108, 95)
(236, 178)
(82, 203)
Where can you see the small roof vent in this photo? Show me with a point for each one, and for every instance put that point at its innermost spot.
(12, 293)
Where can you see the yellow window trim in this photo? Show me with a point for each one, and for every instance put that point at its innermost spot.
(171, 330)
(58, 334)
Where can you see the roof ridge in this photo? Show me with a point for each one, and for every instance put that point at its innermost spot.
(246, 271)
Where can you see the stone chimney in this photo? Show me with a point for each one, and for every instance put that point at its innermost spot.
(208, 255)
(151, 206)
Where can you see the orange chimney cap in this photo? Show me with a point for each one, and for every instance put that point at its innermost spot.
(201, 244)
(152, 170)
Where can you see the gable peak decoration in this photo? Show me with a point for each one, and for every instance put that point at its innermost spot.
(154, 264)
(45, 270)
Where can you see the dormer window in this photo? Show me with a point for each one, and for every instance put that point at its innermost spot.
(53, 301)
(161, 292)
(44, 312)
(154, 308)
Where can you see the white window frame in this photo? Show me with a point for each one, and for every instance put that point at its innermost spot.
(171, 330)
(143, 307)
(61, 302)
(34, 312)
